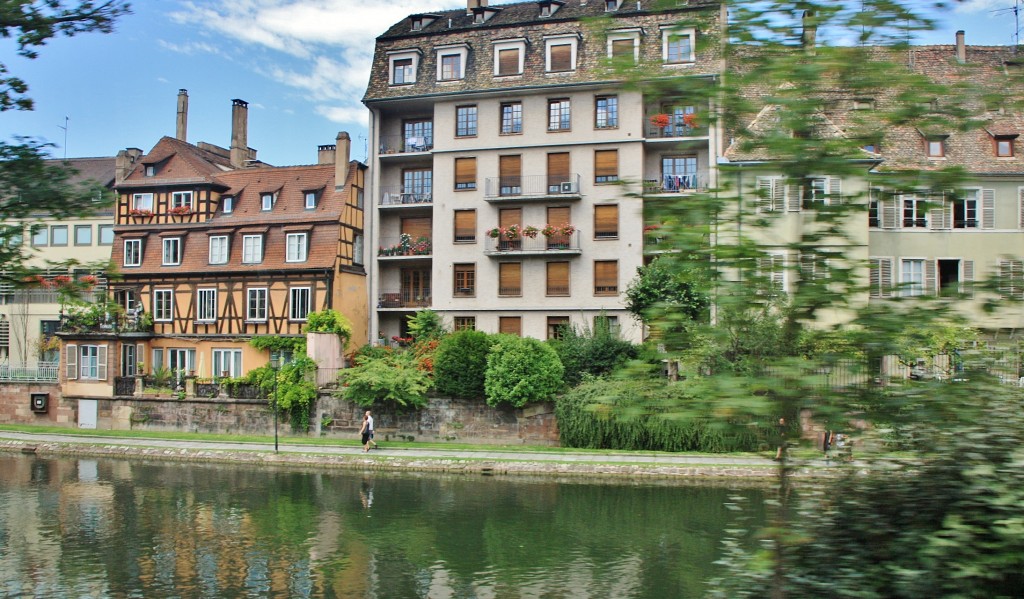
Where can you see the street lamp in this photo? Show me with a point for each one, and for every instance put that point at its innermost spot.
(275, 363)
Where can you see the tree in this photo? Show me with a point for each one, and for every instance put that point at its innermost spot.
(521, 370)
(460, 364)
(658, 294)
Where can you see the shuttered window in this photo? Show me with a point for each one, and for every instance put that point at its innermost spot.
(465, 173)
(465, 226)
(558, 279)
(606, 277)
(510, 216)
(558, 216)
(606, 166)
(508, 61)
(510, 170)
(510, 278)
(606, 222)
(465, 280)
(511, 325)
(561, 57)
(416, 227)
(558, 170)
(622, 48)
(557, 326)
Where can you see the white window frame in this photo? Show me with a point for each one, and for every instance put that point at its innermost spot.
(608, 5)
(133, 252)
(229, 357)
(357, 250)
(572, 40)
(229, 205)
(142, 201)
(296, 247)
(170, 254)
(920, 212)
(92, 363)
(632, 33)
(310, 200)
(909, 287)
(252, 249)
(670, 33)
(297, 308)
(206, 304)
(257, 313)
(267, 201)
(182, 199)
(219, 249)
(513, 44)
(773, 266)
(396, 55)
(460, 50)
(163, 305)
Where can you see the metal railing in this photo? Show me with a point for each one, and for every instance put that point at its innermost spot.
(540, 243)
(405, 298)
(532, 185)
(676, 183)
(394, 196)
(42, 372)
(400, 144)
(675, 130)
(405, 246)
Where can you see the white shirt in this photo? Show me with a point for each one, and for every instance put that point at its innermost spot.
(369, 424)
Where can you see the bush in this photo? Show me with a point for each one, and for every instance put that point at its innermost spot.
(425, 325)
(329, 321)
(293, 392)
(596, 352)
(460, 364)
(521, 370)
(392, 377)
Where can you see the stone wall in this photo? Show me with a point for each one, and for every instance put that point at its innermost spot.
(15, 407)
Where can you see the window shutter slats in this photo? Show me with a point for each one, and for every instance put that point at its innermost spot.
(465, 172)
(793, 197)
(606, 221)
(930, 278)
(606, 163)
(888, 207)
(72, 361)
(988, 209)
(835, 190)
(561, 57)
(511, 325)
(510, 169)
(465, 225)
(558, 278)
(101, 362)
(558, 215)
(885, 280)
(417, 227)
(510, 277)
(508, 61)
(510, 216)
(967, 287)
(1020, 207)
(606, 277)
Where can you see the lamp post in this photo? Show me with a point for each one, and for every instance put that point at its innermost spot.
(275, 363)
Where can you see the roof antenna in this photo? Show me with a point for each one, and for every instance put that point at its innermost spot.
(65, 128)
(1016, 21)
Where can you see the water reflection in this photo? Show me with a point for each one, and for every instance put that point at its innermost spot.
(119, 528)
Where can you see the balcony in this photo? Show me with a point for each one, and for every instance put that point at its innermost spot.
(674, 131)
(41, 372)
(688, 183)
(405, 299)
(394, 197)
(532, 187)
(533, 246)
(400, 144)
(404, 246)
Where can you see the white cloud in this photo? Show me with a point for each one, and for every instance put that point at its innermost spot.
(192, 48)
(353, 115)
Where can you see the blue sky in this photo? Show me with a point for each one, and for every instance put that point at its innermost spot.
(301, 64)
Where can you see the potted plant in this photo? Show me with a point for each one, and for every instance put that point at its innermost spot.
(660, 120)
(548, 230)
(511, 232)
(530, 231)
(567, 229)
(494, 233)
(140, 214)
(180, 211)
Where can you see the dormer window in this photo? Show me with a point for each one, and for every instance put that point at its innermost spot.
(418, 22)
(1004, 145)
(935, 146)
(624, 44)
(228, 204)
(548, 8)
(509, 56)
(451, 62)
(677, 45)
(481, 14)
(150, 170)
(310, 200)
(402, 65)
(267, 201)
(560, 53)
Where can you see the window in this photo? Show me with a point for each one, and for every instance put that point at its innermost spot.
(606, 221)
(218, 249)
(510, 325)
(256, 304)
(83, 234)
(557, 326)
(310, 200)
(935, 147)
(464, 323)
(106, 234)
(508, 60)
(560, 53)
(873, 220)
(880, 278)
(132, 252)
(606, 112)
(419, 183)
(227, 362)
(965, 210)
(624, 46)
(465, 173)
(171, 251)
(557, 279)
(1004, 146)
(229, 204)
(679, 173)
(163, 305)
(93, 362)
(677, 46)
(41, 236)
(360, 196)
(16, 238)
(59, 235)
(510, 175)
(267, 201)
(772, 268)
(1011, 279)
(357, 250)
(299, 303)
(418, 135)
(403, 67)
(621, 48)
(559, 115)
(465, 121)
(606, 277)
(451, 62)
(465, 226)
(612, 5)
(252, 249)
(914, 211)
(142, 201)
(181, 199)
(206, 305)
(295, 245)
(606, 166)
(465, 280)
(603, 322)
(510, 279)
(558, 173)
(150, 170)
(129, 351)
(912, 278)
(511, 118)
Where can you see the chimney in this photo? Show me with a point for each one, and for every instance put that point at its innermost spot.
(961, 50)
(343, 145)
(809, 38)
(325, 154)
(181, 131)
(124, 162)
(239, 132)
(471, 4)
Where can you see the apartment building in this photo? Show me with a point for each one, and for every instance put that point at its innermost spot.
(508, 159)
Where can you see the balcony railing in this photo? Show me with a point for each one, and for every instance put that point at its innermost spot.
(539, 186)
(538, 244)
(677, 183)
(401, 144)
(43, 372)
(394, 196)
(404, 246)
(405, 298)
(673, 130)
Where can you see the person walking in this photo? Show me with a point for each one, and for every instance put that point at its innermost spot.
(367, 431)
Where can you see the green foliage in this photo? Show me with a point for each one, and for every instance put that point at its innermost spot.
(162, 376)
(521, 370)
(594, 352)
(280, 344)
(330, 321)
(657, 291)
(460, 364)
(425, 325)
(290, 388)
(385, 378)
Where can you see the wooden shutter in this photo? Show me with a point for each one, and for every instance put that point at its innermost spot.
(510, 216)
(887, 207)
(606, 277)
(835, 191)
(511, 325)
(465, 173)
(465, 225)
(988, 209)
(561, 57)
(931, 283)
(622, 48)
(558, 168)
(558, 215)
(72, 360)
(765, 186)
(558, 278)
(794, 197)
(606, 165)
(510, 278)
(941, 216)
(510, 168)
(417, 227)
(880, 278)
(508, 61)
(101, 362)
(967, 285)
(606, 221)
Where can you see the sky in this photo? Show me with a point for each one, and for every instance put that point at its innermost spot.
(302, 65)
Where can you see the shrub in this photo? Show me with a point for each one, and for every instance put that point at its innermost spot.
(596, 352)
(460, 364)
(425, 325)
(329, 321)
(387, 378)
(521, 370)
(294, 393)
